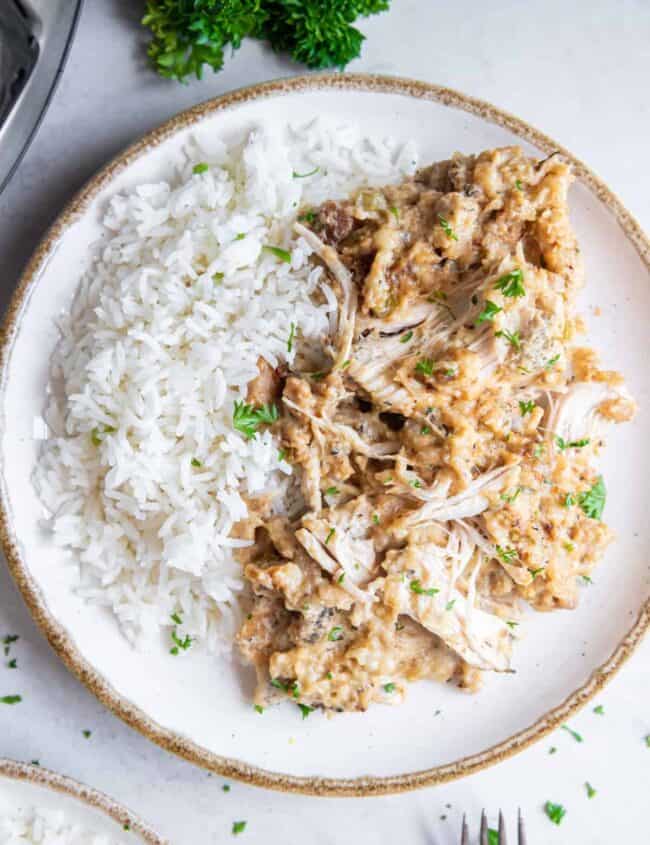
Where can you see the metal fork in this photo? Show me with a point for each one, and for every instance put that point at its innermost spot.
(483, 836)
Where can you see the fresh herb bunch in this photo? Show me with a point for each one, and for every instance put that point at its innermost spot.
(188, 34)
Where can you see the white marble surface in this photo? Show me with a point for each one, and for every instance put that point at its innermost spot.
(577, 70)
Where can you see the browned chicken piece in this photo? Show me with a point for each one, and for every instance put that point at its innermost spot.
(443, 450)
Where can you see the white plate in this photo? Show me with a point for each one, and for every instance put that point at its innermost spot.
(195, 705)
(27, 788)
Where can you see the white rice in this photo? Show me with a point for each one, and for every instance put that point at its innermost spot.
(154, 348)
(47, 827)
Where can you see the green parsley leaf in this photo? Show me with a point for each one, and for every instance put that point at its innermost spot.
(507, 555)
(277, 683)
(282, 454)
(292, 334)
(512, 625)
(578, 737)
(217, 278)
(415, 482)
(226, 787)
(535, 572)
(509, 498)
(425, 430)
(569, 500)
(176, 617)
(96, 434)
(12, 664)
(647, 740)
(341, 578)
(126, 826)
(332, 491)
(493, 836)
(335, 634)
(551, 362)
(552, 750)
(238, 827)
(258, 709)
(182, 644)
(11, 699)
(538, 451)
(563, 444)
(446, 228)
(600, 710)
(304, 175)
(307, 217)
(555, 812)
(393, 210)
(586, 579)
(305, 709)
(568, 546)
(417, 588)
(375, 518)
(247, 418)
(389, 687)
(201, 167)
(319, 376)
(590, 790)
(196, 462)
(280, 253)
(87, 734)
(330, 534)
(488, 313)
(511, 284)
(240, 236)
(513, 338)
(527, 407)
(592, 501)
(450, 604)
(518, 185)
(406, 337)
(425, 367)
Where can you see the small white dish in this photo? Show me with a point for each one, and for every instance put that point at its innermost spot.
(195, 706)
(29, 787)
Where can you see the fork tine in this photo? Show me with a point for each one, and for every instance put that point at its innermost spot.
(502, 829)
(464, 835)
(521, 833)
(483, 840)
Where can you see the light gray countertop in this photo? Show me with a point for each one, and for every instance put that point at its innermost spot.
(578, 71)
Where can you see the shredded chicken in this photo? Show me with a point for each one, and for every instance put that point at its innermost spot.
(444, 454)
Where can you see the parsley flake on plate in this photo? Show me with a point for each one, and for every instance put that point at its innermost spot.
(280, 253)
(247, 418)
(490, 310)
(526, 407)
(590, 790)
(425, 366)
(511, 284)
(446, 228)
(592, 501)
(238, 827)
(305, 175)
(389, 687)
(555, 812)
(507, 555)
(417, 588)
(406, 337)
(513, 338)
(305, 709)
(11, 699)
(335, 634)
(600, 710)
(201, 167)
(578, 737)
(292, 334)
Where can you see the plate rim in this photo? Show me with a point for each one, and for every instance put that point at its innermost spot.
(95, 799)
(56, 633)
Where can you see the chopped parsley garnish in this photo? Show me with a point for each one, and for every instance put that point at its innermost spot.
(450, 604)
(346, 364)
(551, 362)
(318, 376)
(578, 737)
(258, 708)
(513, 338)
(238, 827)
(568, 546)
(389, 687)
(538, 451)
(563, 444)
(511, 284)
(329, 676)
(277, 683)
(196, 462)
(180, 644)
(592, 501)
(292, 334)
(511, 624)
(126, 826)
(11, 699)
(569, 500)
(647, 740)
(226, 787)
(375, 518)
(341, 578)
(488, 313)
(304, 175)
(335, 634)
(294, 689)
(509, 498)
(535, 572)
(507, 555)
(96, 434)
(217, 278)
(493, 836)
(330, 534)
(446, 228)
(590, 790)
(282, 454)
(526, 407)
(35, 762)
(332, 491)
(305, 709)
(201, 167)
(8, 641)
(12, 664)
(418, 589)
(600, 710)
(394, 211)
(552, 750)
(307, 217)
(176, 617)
(425, 430)
(555, 812)
(518, 185)
(415, 482)
(425, 367)
(246, 418)
(87, 734)
(586, 579)
(406, 337)
(240, 236)
(280, 253)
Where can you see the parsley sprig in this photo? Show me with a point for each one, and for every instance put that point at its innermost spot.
(511, 284)
(592, 501)
(247, 418)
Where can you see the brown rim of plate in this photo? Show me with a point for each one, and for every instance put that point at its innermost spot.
(13, 770)
(56, 633)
